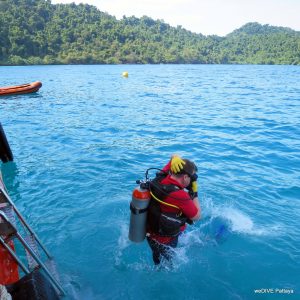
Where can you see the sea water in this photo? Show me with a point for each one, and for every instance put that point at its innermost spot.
(83, 140)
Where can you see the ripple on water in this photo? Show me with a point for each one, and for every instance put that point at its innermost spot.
(79, 149)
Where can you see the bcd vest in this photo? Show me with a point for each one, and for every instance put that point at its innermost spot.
(163, 223)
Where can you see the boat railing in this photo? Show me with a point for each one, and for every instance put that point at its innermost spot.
(9, 217)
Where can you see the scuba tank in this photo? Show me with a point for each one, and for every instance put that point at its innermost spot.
(165, 224)
(138, 216)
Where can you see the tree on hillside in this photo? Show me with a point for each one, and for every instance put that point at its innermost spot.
(38, 32)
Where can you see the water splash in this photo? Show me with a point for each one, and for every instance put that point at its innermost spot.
(226, 218)
(123, 243)
(239, 221)
(75, 290)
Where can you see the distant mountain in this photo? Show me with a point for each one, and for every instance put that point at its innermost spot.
(38, 32)
(256, 28)
(254, 43)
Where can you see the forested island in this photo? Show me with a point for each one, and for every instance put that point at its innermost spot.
(38, 32)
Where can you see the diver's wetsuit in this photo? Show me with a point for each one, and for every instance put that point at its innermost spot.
(159, 242)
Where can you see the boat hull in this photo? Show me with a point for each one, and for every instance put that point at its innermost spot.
(21, 89)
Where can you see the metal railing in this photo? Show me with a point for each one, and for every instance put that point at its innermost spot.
(8, 231)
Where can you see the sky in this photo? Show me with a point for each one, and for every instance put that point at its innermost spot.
(208, 17)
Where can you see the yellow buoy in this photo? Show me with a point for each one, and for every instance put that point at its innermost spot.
(125, 74)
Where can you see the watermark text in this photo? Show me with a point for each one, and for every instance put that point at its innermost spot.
(273, 291)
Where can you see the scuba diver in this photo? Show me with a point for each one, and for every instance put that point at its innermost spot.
(174, 202)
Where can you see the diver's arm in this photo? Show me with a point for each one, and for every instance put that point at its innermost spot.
(194, 192)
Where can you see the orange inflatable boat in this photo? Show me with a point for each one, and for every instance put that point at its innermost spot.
(21, 89)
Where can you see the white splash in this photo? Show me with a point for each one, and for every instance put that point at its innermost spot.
(242, 223)
(123, 243)
(236, 220)
(192, 237)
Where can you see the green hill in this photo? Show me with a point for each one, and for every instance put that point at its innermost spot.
(263, 44)
(38, 32)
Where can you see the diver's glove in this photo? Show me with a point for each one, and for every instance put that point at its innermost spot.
(193, 187)
(177, 164)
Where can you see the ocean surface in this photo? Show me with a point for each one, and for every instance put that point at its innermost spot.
(83, 140)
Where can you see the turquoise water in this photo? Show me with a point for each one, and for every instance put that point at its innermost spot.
(83, 140)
